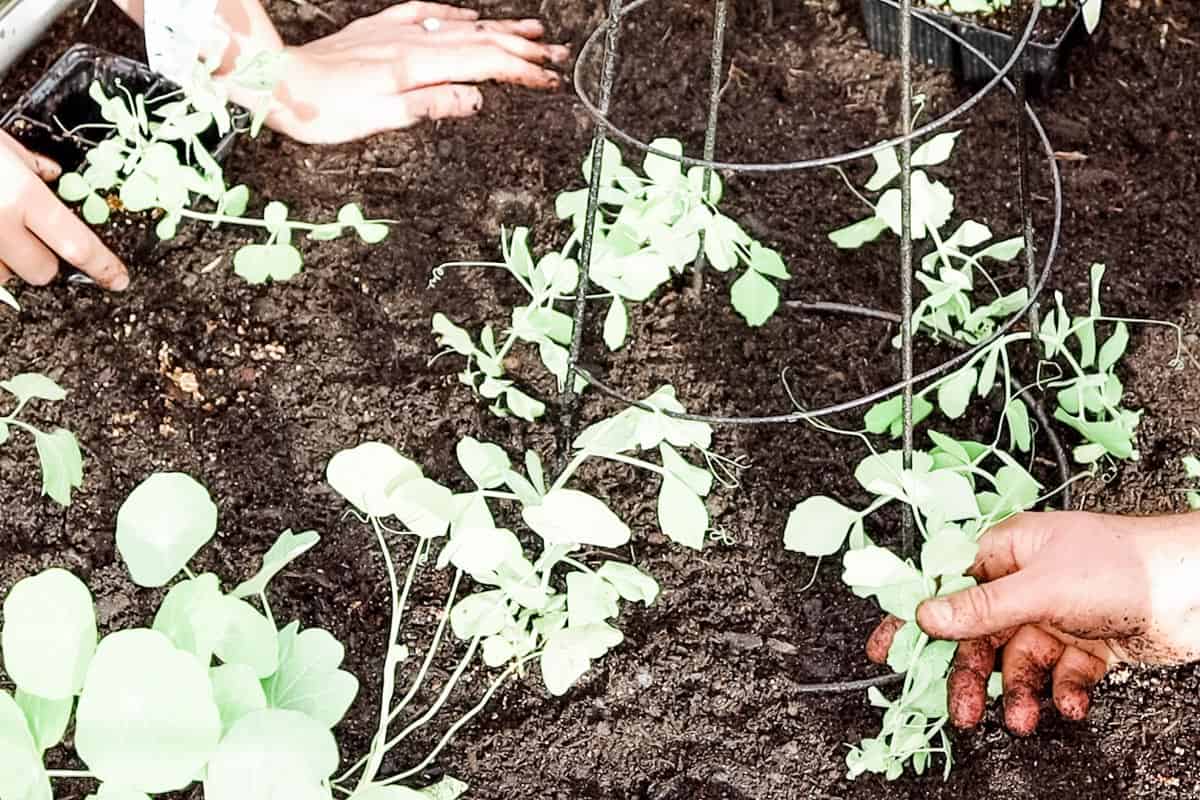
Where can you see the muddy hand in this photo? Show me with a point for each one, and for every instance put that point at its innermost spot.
(1062, 597)
(36, 229)
(411, 62)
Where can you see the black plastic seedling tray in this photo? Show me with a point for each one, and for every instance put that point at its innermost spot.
(1045, 61)
(51, 118)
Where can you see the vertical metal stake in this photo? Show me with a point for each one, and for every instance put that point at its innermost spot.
(710, 130)
(906, 253)
(570, 398)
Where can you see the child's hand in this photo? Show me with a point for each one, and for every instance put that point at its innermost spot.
(36, 229)
(411, 62)
(1065, 596)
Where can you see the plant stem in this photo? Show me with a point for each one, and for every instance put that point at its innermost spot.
(71, 773)
(399, 599)
(451, 682)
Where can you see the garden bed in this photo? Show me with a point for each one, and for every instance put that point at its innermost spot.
(699, 702)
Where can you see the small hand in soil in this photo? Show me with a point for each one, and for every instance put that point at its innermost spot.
(412, 62)
(1063, 597)
(36, 229)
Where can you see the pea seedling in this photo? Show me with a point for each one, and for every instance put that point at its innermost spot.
(58, 451)
(650, 227)
(1091, 8)
(155, 160)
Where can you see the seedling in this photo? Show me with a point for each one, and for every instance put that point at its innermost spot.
(1191, 468)
(154, 160)
(58, 451)
(649, 228)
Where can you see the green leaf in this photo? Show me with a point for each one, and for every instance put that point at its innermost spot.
(1113, 435)
(47, 718)
(272, 754)
(139, 192)
(954, 393)
(162, 524)
(194, 615)
(21, 774)
(818, 526)
(887, 167)
(987, 373)
(934, 151)
(948, 552)
(146, 719)
(943, 494)
(524, 406)
(856, 235)
(590, 599)
(364, 476)
(9, 300)
(569, 653)
(932, 205)
(537, 474)
(754, 297)
(73, 188)
(308, 679)
(569, 516)
(480, 551)
(1019, 431)
(480, 614)
(426, 508)
(903, 650)
(49, 634)
(767, 261)
(889, 415)
(1089, 453)
(1006, 250)
(660, 169)
(452, 336)
(62, 464)
(248, 638)
(235, 201)
(616, 324)
(1191, 467)
(697, 479)
(33, 386)
(258, 262)
(630, 582)
(721, 237)
(682, 513)
(898, 586)
(287, 548)
(485, 463)
(95, 210)
(1114, 348)
(237, 692)
(716, 188)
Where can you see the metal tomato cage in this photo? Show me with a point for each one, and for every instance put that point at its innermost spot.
(606, 39)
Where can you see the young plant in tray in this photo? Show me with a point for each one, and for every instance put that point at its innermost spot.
(155, 160)
(58, 451)
(649, 228)
(1091, 8)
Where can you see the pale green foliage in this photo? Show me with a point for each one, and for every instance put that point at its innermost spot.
(58, 451)
(152, 711)
(950, 270)
(1091, 8)
(648, 229)
(155, 158)
(1191, 467)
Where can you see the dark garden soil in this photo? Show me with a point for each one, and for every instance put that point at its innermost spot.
(252, 389)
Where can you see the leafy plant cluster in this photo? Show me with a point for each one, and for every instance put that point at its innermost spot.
(1091, 8)
(58, 450)
(216, 691)
(956, 489)
(1086, 389)
(155, 160)
(650, 227)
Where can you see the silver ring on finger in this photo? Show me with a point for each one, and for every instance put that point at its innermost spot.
(431, 24)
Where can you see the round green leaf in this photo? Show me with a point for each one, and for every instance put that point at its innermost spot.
(629, 581)
(72, 187)
(95, 210)
(21, 774)
(47, 718)
(485, 463)
(249, 638)
(161, 526)
(272, 754)
(146, 719)
(308, 679)
(365, 475)
(682, 513)
(49, 634)
(754, 297)
(287, 548)
(237, 692)
(818, 526)
(480, 614)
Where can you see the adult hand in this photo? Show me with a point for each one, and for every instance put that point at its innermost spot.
(411, 62)
(36, 229)
(1065, 596)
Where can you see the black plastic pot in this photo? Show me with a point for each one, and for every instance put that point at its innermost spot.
(1045, 62)
(48, 119)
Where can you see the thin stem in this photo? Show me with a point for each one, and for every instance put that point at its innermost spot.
(78, 774)
(266, 606)
(399, 600)
(451, 682)
(464, 719)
